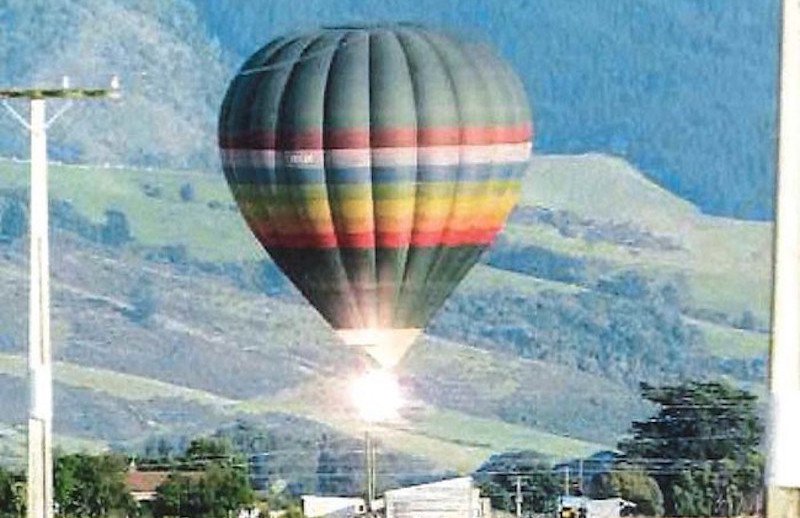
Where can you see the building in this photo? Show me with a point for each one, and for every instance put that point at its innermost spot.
(452, 498)
(332, 506)
(582, 507)
(143, 484)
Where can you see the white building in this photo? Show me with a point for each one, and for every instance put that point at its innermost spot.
(453, 498)
(332, 506)
(581, 506)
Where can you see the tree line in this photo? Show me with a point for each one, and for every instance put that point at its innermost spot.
(209, 480)
(698, 455)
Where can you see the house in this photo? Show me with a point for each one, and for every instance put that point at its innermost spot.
(143, 484)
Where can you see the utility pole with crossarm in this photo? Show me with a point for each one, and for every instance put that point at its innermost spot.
(40, 418)
(783, 473)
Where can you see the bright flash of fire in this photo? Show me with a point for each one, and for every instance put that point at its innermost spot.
(377, 396)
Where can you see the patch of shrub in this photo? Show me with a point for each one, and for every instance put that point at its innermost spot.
(187, 193)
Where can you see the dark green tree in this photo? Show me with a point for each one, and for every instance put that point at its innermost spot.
(702, 446)
(220, 490)
(14, 221)
(187, 192)
(174, 497)
(143, 301)
(541, 486)
(12, 494)
(115, 231)
(205, 448)
(89, 486)
(635, 486)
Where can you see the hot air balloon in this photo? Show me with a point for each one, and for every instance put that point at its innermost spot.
(375, 164)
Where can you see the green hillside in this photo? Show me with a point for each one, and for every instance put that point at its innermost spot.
(712, 252)
(228, 338)
(727, 262)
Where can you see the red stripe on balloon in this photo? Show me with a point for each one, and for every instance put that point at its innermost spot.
(378, 138)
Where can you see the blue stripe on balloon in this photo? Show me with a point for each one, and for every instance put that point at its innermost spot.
(378, 175)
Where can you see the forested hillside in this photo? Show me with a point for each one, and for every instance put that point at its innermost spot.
(172, 74)
(682, 89)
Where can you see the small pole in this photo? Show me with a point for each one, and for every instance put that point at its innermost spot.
(518, 497)
(368, 466)
(374, 471)
(566, 480)
(580, 475)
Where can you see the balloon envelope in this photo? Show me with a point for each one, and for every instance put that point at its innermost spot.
(375, 164)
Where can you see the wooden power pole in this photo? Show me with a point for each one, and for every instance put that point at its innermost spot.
(40, 414)
(783, 473)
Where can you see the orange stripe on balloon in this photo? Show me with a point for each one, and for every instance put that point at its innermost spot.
(477, 236)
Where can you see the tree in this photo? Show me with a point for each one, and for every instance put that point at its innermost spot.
(143, 301)
(12, 494)
(92, 486)
(14, 220)
(634, 485)
(116, 231)
(221, 489)
(187, 192)
(498, 476)
(209, 448)
(702, 447)
(174, 496)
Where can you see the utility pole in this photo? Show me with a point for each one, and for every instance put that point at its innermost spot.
(566, 480)
(580, 475)
(40, 418)
(783, 473)
(518, 497)
(369, 464)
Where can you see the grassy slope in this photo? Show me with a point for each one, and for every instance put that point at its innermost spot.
(449, 439)
(715, 254)
(716, 250)
(727, 262)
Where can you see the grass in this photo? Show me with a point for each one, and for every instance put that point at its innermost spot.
(455, 426)
(117, 384)
(602, 187)
(208, 234)
(728, 262)
(450, 440)
(13, 444)
(727, 342)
